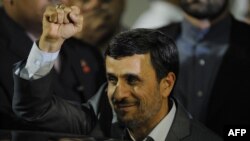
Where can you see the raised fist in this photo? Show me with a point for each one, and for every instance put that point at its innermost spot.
(59, 23)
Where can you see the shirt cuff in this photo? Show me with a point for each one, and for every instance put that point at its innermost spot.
(39, 63)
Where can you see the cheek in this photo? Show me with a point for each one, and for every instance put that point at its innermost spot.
(38, 10)
(144, 95)
(146, 89)
(147, 94)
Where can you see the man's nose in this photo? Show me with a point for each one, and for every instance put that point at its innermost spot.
(122, 91)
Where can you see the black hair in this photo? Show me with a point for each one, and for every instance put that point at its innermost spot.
(162, 49)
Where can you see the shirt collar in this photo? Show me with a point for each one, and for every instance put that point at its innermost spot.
(160, 132)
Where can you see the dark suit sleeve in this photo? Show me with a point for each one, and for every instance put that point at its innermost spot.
(35, 103)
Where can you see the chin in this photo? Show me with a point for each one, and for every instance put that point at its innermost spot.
(131, 122)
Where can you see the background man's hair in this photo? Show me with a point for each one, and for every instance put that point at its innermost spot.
(162, 49)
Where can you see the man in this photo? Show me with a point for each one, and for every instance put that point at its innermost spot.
(19, 25)
(213, 48)
(79, 69)
(141, 67)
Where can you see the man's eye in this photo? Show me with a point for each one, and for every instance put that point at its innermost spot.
(112, 80)
(132, 80)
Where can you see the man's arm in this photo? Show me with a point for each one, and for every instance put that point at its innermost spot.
(33, 100)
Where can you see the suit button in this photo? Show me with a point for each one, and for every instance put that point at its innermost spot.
(202, 62)
(199, 93)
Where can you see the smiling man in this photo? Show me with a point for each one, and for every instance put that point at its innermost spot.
(139, 94)
(142, 67)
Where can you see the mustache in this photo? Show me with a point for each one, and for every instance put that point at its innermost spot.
(124, 102)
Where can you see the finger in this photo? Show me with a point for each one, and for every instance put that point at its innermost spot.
(60, 15)
(53, 17)
(50, 14)
(66, 18)
(46, 14)
(74, 15)
(77, 20)
(75, 10)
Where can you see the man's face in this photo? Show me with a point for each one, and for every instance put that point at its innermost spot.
(204, 9)
(134, 91)
(30, 11)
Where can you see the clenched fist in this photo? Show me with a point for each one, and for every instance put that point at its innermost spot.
(59, 23)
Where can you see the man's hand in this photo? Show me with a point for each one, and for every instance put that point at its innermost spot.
(59, 23)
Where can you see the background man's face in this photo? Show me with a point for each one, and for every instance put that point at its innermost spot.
(133, 90)
(31, 11)
(204, 9)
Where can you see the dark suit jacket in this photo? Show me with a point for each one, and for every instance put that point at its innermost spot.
(229, 101)
(34, 102)
(81, 73)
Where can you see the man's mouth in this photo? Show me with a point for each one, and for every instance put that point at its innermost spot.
(125, 106)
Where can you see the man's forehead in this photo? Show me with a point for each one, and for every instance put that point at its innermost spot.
(129, 64)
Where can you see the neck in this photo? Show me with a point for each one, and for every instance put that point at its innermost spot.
(34, 32)
(205, 23)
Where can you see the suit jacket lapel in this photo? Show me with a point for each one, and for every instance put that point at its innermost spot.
(181, 125)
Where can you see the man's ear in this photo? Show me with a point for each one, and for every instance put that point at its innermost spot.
(167, 84)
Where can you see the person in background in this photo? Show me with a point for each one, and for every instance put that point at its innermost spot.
(19, 27)
(141, 69)
(101, 23)
(79, 71)
(214, 50)
(160, 13)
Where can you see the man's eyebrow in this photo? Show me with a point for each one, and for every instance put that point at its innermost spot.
(125, 75)
(110, 74)
(132, 75)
